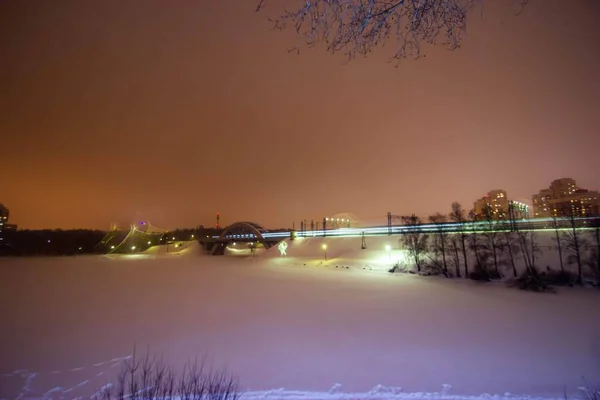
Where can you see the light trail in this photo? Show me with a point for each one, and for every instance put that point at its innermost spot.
(538, 224)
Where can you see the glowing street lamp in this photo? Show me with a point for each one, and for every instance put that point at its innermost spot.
(325, 250)
(132, 248)
(388, 248)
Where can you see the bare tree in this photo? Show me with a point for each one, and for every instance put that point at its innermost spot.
(356, 27)
(454, 247)
(509, 245)
(458, 215)
(491, 237)
(414, 239)
(149, 378)
(475, 243)
(528, 246)
(573, 240)
(595, 254)
(441, 238)
(556, 226)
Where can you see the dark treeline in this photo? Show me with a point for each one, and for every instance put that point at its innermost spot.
(59, 242)
(50, 242)
(492, 245)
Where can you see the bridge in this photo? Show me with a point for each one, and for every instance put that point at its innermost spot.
(241, 232)
(250, 232)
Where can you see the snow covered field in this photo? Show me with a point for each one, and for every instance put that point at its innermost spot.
(299, 324)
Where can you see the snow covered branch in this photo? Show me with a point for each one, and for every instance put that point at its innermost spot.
(356, 27)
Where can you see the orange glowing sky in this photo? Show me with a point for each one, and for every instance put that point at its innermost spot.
(121, 111)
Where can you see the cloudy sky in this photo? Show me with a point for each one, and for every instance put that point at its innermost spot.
(118, 111)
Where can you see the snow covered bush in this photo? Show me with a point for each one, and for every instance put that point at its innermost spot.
(591, 392)
(149, 379)
(531, 280)
(559, 278)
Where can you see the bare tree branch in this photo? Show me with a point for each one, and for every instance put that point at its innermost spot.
(356, 27)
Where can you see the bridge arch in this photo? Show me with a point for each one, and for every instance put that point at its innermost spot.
(240, 231)
(244, 230)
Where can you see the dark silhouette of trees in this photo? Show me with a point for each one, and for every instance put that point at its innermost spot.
(458, 215)
(573, 239)
(414, 240)
(357, 27)
(556, 226)
(150, 378)
(440, 245)
(51, 242)
(528, 247)
(475, 245)
(594, 257)
(454, 246)
(491, 238)
(509, 245)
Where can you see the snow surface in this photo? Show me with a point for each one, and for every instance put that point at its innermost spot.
(297, 323)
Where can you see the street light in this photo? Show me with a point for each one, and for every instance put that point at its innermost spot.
(388, 248)
(132, 248)
(325, 250)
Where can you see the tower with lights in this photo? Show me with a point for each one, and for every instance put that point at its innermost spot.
(4, 212)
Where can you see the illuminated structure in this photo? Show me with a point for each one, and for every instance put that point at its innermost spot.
(495, 201)
(138, 238)
(282, 247)
(4, 212)
(564, 197)
(518, 210)
(244, 232)
(500, 207)
(343, 220)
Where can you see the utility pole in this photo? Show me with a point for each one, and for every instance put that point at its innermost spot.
(389, 222)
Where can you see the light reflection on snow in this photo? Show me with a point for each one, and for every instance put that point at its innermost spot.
(294, 322)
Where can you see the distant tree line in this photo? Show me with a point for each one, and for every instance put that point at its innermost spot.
(48, 242)
(59, 242)
(485, 247)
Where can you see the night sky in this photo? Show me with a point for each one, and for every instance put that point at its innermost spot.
(120, 111)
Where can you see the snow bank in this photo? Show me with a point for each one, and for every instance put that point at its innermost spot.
(302, 328)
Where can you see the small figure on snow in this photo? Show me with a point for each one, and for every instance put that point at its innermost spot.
(282, 247)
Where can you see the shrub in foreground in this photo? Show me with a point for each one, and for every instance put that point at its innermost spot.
(531, 280)
(559, 278)
(149, 378)
(590, 392)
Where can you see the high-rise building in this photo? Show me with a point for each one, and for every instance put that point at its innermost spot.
(497, 203)
(518, 210)
(3, 219)
(500, 207)
(564, 197)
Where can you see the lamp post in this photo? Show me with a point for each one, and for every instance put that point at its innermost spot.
(388, 248)
(325, 251)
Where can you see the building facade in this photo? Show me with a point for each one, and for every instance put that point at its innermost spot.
(563, 198)
(495, 201)
(499, 206)
(4, 212)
